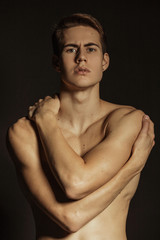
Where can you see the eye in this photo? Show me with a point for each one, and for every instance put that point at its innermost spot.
(71, 50)
(91, 49)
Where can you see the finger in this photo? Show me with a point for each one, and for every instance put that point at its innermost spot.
(145, 124)
(30, 107)
(40, 100)
(47, 97)
(153, 143)
(56, 95)
(30, 113)
(151, 128)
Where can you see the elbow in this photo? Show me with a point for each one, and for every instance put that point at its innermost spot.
(76, 190)
(73, 193)
(66, 217)
(71, 220)
(72, 227)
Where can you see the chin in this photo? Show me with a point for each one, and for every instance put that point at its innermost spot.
(80, 82)
(80, 86)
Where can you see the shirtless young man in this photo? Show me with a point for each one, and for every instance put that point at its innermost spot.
(80, 157)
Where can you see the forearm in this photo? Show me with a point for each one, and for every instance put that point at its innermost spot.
(83, 211)
(76, 174)
(72, 216)
(62, 159)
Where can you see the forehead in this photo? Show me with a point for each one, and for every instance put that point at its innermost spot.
(81, 34)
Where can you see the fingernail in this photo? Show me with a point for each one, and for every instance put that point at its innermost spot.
(146, 117)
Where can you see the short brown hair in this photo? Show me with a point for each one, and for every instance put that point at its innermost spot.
(74, 20)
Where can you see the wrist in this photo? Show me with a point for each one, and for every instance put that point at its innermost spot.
(130, 169)
(133, 166)
(46, 118)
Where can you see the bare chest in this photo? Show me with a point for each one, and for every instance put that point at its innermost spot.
(84, 142)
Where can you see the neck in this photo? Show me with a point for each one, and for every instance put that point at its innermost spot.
(79, 108)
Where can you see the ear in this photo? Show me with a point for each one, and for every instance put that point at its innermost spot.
(105, 62)
(55, 62)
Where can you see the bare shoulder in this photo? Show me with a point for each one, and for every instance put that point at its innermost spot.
(20, 127)
(124, 120)
(21, 132)
(21, 140)
(116, 111)
(125, 112)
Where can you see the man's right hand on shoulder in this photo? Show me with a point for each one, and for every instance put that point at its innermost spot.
(44, 106)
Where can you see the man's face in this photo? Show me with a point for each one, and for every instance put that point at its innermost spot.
(82, 62)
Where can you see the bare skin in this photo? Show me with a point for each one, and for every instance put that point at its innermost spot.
(86, 146)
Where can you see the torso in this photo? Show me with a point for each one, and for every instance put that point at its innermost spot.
(111, 223)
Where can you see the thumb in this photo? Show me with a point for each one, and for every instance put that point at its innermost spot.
(145, 124)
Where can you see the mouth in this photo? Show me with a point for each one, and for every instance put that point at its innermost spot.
(81, 70)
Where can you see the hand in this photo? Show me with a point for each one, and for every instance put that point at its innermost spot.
(143, 144)
(48, 104)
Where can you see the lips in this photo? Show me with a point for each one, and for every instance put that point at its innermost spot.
(82, 70)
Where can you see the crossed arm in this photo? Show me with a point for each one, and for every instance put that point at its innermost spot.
(72, 216)
(76, 174)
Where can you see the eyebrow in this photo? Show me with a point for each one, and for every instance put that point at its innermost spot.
(85, 45)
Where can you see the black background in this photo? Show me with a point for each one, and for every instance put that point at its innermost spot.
(26, 74)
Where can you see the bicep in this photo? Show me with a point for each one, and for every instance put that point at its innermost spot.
(106, 159)
(39, 190)
(30, 172)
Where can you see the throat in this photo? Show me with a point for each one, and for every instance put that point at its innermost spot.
(79, 112)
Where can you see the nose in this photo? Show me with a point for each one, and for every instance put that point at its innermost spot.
(81, 56)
